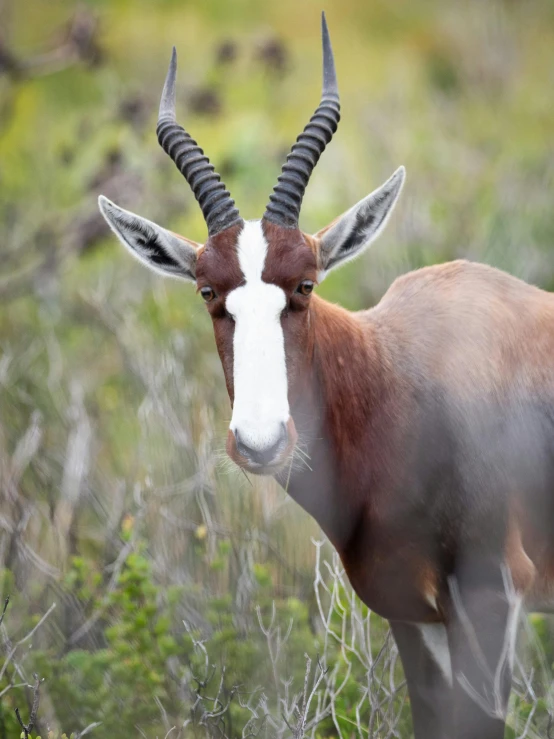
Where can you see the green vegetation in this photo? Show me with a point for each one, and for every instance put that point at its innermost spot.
(115, 500)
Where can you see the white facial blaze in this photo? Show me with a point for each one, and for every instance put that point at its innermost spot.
(260, 374)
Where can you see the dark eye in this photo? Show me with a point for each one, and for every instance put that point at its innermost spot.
(207, 293)
(305, 287)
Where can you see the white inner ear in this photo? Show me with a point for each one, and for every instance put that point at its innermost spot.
(152, 245)
(260, 405)
(356, 229)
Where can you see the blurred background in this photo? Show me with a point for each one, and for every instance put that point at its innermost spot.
(155, 589)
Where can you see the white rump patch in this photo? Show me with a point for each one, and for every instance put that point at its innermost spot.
(436, 640)
(260, 375)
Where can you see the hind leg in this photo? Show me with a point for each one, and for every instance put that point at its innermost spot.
(481, 633)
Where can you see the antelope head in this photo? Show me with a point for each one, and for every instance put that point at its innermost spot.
(257, 277)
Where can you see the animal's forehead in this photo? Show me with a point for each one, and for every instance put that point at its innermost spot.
(255, 250)
(252, 251)
(291, 256)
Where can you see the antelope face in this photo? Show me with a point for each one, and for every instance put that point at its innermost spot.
(259, 306)
(256, 277)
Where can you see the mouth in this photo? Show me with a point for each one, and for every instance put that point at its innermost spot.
(270, 467)
(258, 469)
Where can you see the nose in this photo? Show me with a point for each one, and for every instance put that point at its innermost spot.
(268, 454)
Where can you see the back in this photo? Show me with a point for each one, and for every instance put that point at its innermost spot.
(472, 327)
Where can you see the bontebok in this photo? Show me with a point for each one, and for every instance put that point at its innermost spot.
(419, 433)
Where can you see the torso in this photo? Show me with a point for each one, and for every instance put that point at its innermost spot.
(453, 441)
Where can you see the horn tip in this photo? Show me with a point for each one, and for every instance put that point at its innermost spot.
(167, 103)
(330, 86)
(324, 30)
(172, 71)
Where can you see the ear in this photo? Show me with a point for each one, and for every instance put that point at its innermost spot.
(352, 232)
(161, 250)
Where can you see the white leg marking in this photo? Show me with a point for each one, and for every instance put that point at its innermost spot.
(435, 639)
(431, 598)
(260, 374)
(512, 628)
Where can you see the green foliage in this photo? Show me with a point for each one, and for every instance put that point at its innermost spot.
(144, 653)
(118, 683)
(145, 666)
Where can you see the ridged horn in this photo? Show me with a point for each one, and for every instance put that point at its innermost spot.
(215, 201)
(286, 199)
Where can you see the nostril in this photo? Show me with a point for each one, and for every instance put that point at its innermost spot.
(262, 456)
(243, 449)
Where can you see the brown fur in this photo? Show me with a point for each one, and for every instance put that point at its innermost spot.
(460, 342)
(218, 267)
(454, 363)
(421, 438)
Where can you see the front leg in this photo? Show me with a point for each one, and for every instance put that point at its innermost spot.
(425, 656)
(484, 611)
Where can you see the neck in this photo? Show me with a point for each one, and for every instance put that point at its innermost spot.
(335, 413)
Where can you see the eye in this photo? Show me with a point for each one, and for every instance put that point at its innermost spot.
(207, 293)
(305, 287)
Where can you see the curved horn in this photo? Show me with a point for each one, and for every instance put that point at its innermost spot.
(217, 205)
(285, 201)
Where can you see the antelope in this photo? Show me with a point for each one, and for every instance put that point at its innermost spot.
(428, 419)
